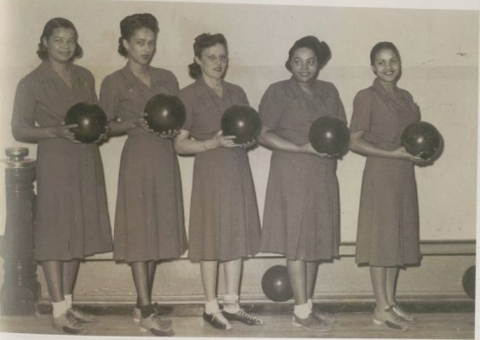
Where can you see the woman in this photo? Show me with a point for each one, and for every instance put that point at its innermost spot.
(301, 218)
(149, 213)
(388, 231)
(72, 216)
(224, 223)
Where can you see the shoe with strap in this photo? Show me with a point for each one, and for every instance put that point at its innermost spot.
(137, 314)
(404, 314)
(217, 320)
(82, 316)
(243, 317)
(154, 325)
(312, 323)
(390, 320)
(68, 323)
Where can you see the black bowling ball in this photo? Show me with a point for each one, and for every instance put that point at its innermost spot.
(276, 285)
(241, 121)
(91, 121)
(329, 135)
(421, 138)
(468, 282)
(165, 112)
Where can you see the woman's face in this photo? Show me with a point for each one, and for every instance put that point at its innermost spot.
(213, 62)
(387, 66)
(304, 65)
(141, 46)
(61, 45)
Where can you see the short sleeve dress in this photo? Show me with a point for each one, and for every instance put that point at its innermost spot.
(388, 228)
(224, 221)
(302, 210)
(72, 219)
(149, 222)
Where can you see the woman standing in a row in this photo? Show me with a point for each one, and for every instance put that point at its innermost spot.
(149, 223)
(224, 223)
(72, 219)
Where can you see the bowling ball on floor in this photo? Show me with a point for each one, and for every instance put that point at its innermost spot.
(165, 112)
(91, 121)
(276, 285)
(422, 139)
(329, 135)
(241, 121)
(468, 282)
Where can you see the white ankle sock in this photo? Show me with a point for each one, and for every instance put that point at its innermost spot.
(302, 311)
(59, 308)
(230, 304)
(310, 303)
(69, 299)
(212, 307)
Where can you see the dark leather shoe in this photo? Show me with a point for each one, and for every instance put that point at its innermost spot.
(243, 317)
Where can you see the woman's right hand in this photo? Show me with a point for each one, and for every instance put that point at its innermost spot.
(401, 153)
(219, 140)
(308, 148)
(140, 121)
(65, 132)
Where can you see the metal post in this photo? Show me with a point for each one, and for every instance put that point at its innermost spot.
(21, 289)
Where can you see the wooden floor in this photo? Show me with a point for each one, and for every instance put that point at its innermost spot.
(348, 325)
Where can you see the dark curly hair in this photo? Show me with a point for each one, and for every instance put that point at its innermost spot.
(384, 45)
(52, 24)
(133, 22)
(321, 50)
(202, 42)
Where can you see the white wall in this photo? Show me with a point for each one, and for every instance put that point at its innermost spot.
(439, 49)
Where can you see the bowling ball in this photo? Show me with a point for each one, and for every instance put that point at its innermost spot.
(91, 121)
(276, 285)
(241, 121)
(421, 138)
(165, 112)
(329, 135)
(468, 282)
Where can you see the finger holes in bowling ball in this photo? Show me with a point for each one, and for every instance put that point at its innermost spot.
(276, 285)
(468, 282)
(329, 135)
(422, 139)
(165, 112)
(91, 121)
(241, 121)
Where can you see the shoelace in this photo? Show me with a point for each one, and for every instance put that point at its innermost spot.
(81, 313)
(401, 312)
(394, 315)
(218, 317)
(72, 320)
(247, 316)
(156, 320)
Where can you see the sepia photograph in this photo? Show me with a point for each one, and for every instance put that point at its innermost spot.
(238, 169)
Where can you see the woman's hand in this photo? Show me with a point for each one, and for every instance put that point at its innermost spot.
(248, 144)
(140, 121)
(170, 134)
(219, 140)
(65, 132)
(103, 136)
(308, 148)
(401, 153)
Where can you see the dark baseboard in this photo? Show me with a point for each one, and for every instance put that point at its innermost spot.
(283, 308)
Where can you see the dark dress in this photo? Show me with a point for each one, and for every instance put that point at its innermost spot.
(388, 230)
(302, 213)
(224, 221)
(149, 223)
(72, 219)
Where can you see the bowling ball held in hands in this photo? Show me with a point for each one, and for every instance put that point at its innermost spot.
(421, 139)
(241, 121)
(329, 135)
(165, 113)
(90, 119)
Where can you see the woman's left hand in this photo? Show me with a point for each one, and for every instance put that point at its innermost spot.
(143, 123)
(248, 144)
(170, 134)
(103, 136)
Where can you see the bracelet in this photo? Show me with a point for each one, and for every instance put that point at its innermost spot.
(205, 146)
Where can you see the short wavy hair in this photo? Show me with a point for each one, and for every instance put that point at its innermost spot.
(202, 42)
(133, 22)
(320, 49)
(50, 26)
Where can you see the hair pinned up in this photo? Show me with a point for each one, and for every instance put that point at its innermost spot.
(202, 42)
(130, 24)
(321, 50)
